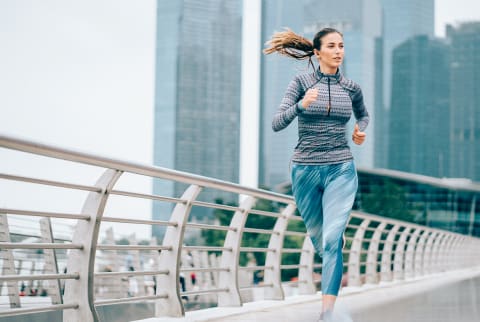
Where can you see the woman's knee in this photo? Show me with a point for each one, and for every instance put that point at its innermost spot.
(332, 243)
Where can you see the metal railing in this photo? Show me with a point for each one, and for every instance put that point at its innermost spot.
(377, 249)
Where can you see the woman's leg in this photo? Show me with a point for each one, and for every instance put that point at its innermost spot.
(338, 198)
(306, 188)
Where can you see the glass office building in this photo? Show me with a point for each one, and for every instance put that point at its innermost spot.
(197, 93)
(450, 204)
(402, 20)
(464, 114)
(419, 126)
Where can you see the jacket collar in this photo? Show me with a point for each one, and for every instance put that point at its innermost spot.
(324, 77)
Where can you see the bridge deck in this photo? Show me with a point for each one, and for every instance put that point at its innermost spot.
(367, 303)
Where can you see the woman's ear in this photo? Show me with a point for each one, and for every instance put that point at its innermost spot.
(316, 52)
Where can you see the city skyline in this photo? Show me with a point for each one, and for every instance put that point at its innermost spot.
(89, 85)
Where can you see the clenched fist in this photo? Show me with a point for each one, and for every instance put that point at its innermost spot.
(358, 137)
(310, 96)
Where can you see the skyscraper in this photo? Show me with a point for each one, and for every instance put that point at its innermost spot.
(465, 100)
(197, 92)
(419, 126)
(360, 22)
(401, 21)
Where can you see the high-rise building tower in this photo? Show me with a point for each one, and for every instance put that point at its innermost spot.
(401, 21)
(419, 124)
(360, 22)
(465, 101)
(197, 92)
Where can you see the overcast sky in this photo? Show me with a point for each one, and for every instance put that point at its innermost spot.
(80, 74)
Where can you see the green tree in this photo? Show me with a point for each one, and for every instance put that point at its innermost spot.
(388, 200)
(223, 217)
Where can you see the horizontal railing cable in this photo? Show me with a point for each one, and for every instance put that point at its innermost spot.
(23, 212)
(50, 183)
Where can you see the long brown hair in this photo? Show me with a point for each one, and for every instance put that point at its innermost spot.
(290, 44)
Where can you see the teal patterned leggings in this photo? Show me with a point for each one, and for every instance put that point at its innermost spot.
(324, 195)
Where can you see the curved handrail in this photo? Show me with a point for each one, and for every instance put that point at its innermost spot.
(133, 167)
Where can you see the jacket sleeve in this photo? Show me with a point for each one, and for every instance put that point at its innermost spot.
(359, 109)
(289, 107)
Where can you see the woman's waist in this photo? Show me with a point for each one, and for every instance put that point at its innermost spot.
(321, 143)
(322, 156)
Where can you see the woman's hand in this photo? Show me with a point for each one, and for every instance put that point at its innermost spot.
(358, 137)
(310, 97)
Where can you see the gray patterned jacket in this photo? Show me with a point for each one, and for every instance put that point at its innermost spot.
(322, 130)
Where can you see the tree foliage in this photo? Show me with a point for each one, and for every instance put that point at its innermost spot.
(388, 200)
(223, 217)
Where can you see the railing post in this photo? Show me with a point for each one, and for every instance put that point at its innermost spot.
(208, 279)
(442, 252)
(112, 287)
(355, 254)
(475, 246)
(135, 255)
(274, 258)
(399, 259)
(8, 263)
(409, 256)
(468, 249)
(475, 251)
(82, 261)
(457, 253)
(464, 251)
(428, 253)
(450, 252)
(33, 270)
(386, 268)
(51, 267)
(305, 274)
(371, 270)
(230, 259)
(170, 259)
(419, 253)
(436, 251)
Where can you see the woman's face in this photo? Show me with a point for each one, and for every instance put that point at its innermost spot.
(330, 55)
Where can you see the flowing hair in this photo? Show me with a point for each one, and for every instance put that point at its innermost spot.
(290, 44)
